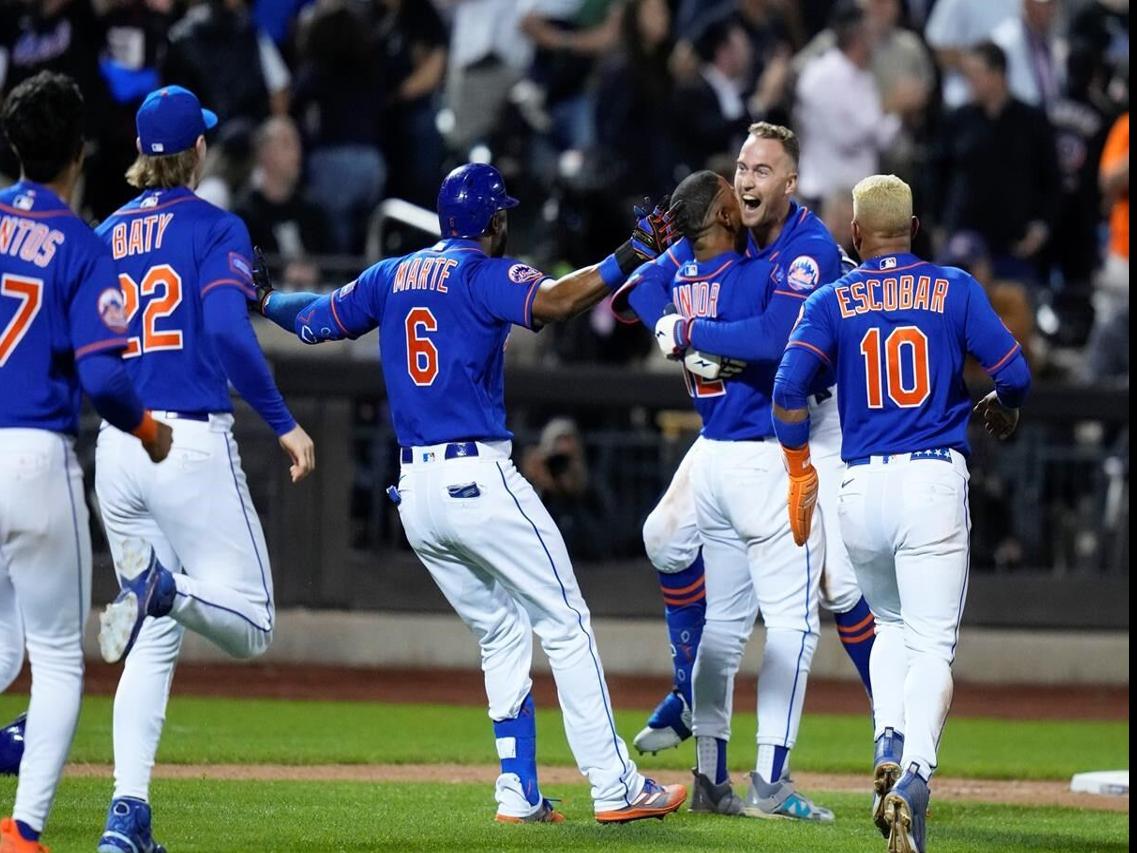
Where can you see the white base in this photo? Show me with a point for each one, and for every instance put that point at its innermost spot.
(1109, 782)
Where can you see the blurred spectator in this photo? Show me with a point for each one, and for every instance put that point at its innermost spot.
(338, 102)
(712, 106)
(773, 29)
(64, 36)
(280, 220)
(1081, 117)
(569, 36)
(228, 164)
(217, 53)
(1103, 27)
(558, 470)
(841, 121)
(1036, 54)
(634, 122)
(956, 26)
(275, 18)
(996, 170)
(903, 70)
(488, 55)
(1011, 301)
(1108, 350)
(135, 39)
(413, 40)
(837, 214)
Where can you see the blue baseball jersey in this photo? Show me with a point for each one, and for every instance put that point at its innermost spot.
(443, 316)
(730, 288)
(59, 302)
(172, 250)
(897, 331)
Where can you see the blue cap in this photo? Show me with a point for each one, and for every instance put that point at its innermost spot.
(468, 199)
(170, 120)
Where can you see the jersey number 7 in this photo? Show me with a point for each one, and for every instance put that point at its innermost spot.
(161, 278)
(908, 384)
(30, 293)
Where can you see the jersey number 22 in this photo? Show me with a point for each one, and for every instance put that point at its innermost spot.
(162, 287)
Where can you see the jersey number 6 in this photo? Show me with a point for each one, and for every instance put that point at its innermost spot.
(908, 387)
(422, 355)
(161, 277)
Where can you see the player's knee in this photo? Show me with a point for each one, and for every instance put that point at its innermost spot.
(254, 644)
(668, 550)
(11, 661)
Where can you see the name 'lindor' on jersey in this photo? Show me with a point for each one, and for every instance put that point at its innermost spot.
(696, 298)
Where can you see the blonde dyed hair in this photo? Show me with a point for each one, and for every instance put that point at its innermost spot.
(882, 205)
(172, 170)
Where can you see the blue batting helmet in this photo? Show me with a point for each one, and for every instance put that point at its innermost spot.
(468, 199)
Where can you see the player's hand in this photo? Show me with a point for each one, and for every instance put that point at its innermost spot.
(655, 229)
(672, 333)
(262, 282)
(999, 420)
(158, 448)
(300, 449)
(802, 496)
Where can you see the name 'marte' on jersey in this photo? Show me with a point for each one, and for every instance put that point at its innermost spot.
(897, 330)
(443, 315)
(172, 249)
(59, 302)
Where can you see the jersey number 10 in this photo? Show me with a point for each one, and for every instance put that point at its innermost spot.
(904, 342)
(162, 287)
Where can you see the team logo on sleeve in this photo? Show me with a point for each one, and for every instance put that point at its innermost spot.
(240, 265)
(523, 274)
(112, 311)
(803, 273)
(345, 291)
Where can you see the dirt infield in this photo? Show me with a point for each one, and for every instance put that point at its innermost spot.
(463, 687)
(945, 788)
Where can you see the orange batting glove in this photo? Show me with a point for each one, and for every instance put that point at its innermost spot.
(803, 491)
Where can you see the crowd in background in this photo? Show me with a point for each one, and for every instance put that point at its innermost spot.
(1008, 117)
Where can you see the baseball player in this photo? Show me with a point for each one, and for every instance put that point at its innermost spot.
(736, 481)
(62, 327)
(897, 330)
(185, 537)
(793, 239)
(443, 316)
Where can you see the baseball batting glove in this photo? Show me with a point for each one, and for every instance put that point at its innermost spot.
(673, 333)
(802, 493)
(712, 366)
(653, 233)
(262, 281)
(999, 420)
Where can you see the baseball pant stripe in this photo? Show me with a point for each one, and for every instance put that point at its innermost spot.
(249, 527)
(967, 570)
(800, 654)
(75, 529)
(580, 622)
(241, 616)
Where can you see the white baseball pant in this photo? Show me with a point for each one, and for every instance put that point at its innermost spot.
(906, 523)
(45, 595)
(752, 565)
(497, 556)
(195, 510)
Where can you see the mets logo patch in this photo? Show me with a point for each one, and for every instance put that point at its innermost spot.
(523, 274)
(112, 311)
(803, 273)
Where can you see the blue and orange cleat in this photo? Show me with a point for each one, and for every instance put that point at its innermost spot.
(654, 800)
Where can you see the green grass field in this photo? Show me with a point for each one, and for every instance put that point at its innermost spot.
(214, 815)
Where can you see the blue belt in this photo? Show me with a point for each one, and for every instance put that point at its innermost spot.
(943, 454)
(182, 416)
(456, 450)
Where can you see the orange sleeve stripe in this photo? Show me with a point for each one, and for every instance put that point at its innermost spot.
(231, 282)
(816, 351)
(336, 316)
(689, 588)
(1004, 359)
(98, 346)
(701, 595)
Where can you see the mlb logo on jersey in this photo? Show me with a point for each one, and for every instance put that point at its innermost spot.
(112, 310)
(803, 273)
(888, 264)
(25, 201)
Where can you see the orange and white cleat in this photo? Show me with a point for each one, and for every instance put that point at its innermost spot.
(545, 814)
(654, 800)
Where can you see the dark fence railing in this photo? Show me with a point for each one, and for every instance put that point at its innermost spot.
(1050, 509)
